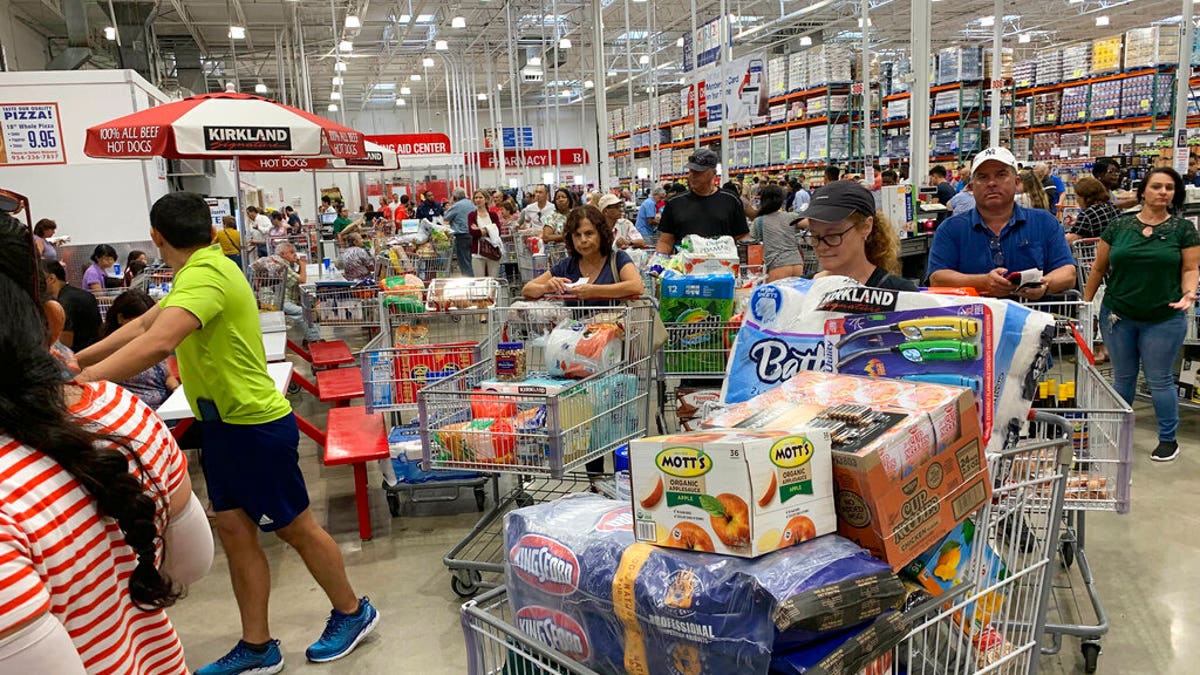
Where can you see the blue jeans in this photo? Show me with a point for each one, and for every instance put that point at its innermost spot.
(296, 313)
(1154, 346)
(462, 251)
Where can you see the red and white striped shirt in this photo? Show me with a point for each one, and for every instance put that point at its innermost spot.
(58, 554)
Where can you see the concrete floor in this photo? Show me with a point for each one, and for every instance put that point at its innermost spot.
(1141, 562)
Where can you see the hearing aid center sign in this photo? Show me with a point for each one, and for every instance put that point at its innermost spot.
(30, 133)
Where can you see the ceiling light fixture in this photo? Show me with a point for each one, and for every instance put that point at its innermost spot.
(427, 62)
(644, 59)
(415, 77)
(425, 18)
(260, 88)
(806, 41)
(986, 21)
(1023, 38)
(401, 102)
(352, 21)
(611, 73)
(337, 80)
(441, 45)
(332, 107)
(535, 61)
(405, 91)
(481, 97)
(110, 33)
(335, 96)
(237, 32)
(345, 46)
(588, 84)
(679, 42)
(339, 67)
(458, 22)
(1102, 20)
(404, 18)
(564, 43)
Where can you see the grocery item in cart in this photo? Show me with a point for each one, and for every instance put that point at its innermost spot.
(483, 441)
(695, 310)
(461, 293)
(742, 493)
(690, 403)
(862, 650)
(574, 411)
(908, 463)
(785, 332)
(419, 366)
(699, 255)
(579, 582)
(403, 286)
(577, 350)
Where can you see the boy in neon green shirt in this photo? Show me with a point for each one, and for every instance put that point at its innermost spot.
(210, 321)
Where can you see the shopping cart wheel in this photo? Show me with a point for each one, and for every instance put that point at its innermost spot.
(393, 501)
(1067, 548)
(293, 389)
(1091, 653)
(480, 498)
(465, 583)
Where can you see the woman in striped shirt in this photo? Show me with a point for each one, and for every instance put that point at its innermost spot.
(99, 529)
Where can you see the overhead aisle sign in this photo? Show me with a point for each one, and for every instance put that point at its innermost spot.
(30, 133)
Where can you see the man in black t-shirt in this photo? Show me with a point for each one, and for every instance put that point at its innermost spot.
(945, 191)
(82, 327)
(703, 210)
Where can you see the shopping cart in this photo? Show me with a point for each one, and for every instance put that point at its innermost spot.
(341, 304)
(1020, 524)
(542, 433)
(269, 289)
(425, 262)
(105, 298)
(1084, 251)
(154, 280)
(426, 335)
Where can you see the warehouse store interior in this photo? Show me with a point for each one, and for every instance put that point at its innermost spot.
(417, 442)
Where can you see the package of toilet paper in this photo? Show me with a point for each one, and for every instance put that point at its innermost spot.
(791, 324)
(577, 350)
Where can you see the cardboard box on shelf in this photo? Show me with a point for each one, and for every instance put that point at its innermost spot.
(908, 476)
(737, 492)
(1106, 55)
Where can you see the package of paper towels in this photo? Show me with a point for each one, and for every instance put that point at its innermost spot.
(578, 582)
(577, 350)
(789, 322)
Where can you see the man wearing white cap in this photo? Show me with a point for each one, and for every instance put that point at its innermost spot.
(981, 247)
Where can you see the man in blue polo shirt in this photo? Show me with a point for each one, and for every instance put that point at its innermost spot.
(979, 248)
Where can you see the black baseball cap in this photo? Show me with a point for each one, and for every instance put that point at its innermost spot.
(835, 201)
(702, 160)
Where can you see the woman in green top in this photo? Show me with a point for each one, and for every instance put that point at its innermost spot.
(1153, 262)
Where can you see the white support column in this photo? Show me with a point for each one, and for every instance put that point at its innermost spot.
(997, 75)
(1183, 76)
(599, 79)
(865, 78)
(726, 33)
(695, 83)
(919, 99)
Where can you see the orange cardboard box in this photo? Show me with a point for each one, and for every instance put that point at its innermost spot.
(903, 489)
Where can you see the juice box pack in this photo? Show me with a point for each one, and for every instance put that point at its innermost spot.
(741, 493)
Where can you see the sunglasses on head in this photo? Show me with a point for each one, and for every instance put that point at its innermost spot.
(14, 203)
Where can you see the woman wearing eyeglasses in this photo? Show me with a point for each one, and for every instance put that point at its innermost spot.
(1152, 259)
(851, 239)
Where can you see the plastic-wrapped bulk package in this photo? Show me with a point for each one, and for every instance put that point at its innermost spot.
(579, 583)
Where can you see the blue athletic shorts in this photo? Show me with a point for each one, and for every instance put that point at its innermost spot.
(255, 468)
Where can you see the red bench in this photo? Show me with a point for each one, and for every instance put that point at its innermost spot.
(339, 385)
(354, 436)
(324, 354)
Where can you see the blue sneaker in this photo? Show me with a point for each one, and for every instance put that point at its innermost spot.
(343, 632)
(241, 660)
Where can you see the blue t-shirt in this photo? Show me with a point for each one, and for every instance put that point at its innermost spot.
(568, 268)
(457, 216)
(1062, 188)
(1032, 239)
(646, 211)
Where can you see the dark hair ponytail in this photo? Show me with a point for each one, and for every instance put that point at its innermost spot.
(33, 411)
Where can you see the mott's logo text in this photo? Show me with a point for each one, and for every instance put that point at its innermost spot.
(546, 564)
(791, 452)
(683, 462)
(247, 138)
(554, 628)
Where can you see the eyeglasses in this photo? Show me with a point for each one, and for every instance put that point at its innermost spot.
(810, 238)
(997, 252)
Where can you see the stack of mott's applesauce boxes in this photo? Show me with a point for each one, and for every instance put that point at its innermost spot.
(894, 466)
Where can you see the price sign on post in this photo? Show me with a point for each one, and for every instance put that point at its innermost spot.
(1182, 151)
(30, 133)
(856, 88)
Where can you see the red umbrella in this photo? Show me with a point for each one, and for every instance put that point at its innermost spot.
(226, 125)
(222, 126)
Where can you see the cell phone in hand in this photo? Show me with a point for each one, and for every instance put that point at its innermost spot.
(1031, 278)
